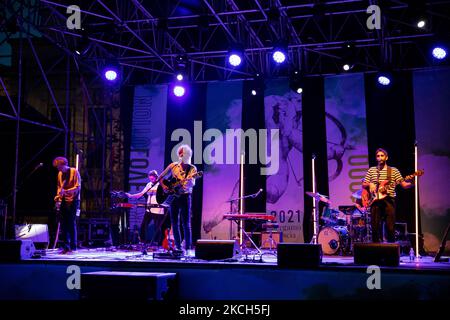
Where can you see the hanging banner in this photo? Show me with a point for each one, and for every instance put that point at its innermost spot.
(431, 97)
(347, 151)
(285, 189)
(221, 178)
(148, 136)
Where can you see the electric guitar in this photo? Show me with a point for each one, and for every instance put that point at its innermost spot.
(168, 242)
(172, 187)
(382, 188)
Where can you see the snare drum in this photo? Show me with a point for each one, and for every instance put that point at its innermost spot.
(332, 238)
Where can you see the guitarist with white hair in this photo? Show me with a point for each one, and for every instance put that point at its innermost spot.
(381, 181)
(181, 174)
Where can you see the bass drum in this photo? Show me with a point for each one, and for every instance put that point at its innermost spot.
(332, 239)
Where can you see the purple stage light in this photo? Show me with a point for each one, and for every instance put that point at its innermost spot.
(110, 75)
(179, 91)
(439, 53)
(279, 56)
(384, 80)
(234, 59)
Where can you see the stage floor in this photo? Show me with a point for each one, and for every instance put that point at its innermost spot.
(268, 258)
(250, 276)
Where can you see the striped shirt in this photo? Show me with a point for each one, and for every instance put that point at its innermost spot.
(373, 177)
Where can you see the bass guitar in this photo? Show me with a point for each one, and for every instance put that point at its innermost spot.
(172, 187)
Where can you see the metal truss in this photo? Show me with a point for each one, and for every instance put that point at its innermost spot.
(145, 36)
(79, 107)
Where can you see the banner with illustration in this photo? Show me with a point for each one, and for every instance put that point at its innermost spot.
(220, 157)
(285, 189)
(148, 136)
(346, 127)
(431, 97)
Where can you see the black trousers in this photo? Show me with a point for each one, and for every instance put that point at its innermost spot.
(383, 210)
(181, 208)
(68, 224)
(158, 220)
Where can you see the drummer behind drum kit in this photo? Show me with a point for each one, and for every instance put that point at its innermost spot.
(342, 226)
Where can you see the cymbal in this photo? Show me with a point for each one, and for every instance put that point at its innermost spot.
(357, 194)
(318, 196)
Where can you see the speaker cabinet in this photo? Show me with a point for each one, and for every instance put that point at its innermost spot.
(299, 255)
(214, 249)
(380, 254)
(38, 233)
(16, 250)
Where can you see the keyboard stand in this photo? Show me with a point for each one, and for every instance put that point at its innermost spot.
(248, 238)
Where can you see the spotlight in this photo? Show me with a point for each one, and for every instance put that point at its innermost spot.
(257, 85)
(180, 67)
(348, 56)
(179, 91)
(279, 53)
(296, 81)
(110, 74)
(279, 56)
(421, 23)
(347, 66)
(234, 59)
(439, 53)
(383, 80)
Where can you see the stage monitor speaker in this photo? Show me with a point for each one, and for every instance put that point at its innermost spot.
(380, 254)
(214, 249)
(299, 255)
(38, 233)
(16, 250)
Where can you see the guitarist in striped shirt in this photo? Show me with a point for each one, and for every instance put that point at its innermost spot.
(381, 181)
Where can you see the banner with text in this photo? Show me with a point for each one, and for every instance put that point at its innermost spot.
(285, 189)
(346, 127)
(148, 136)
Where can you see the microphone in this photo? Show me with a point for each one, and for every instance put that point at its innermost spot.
(38, 166)
(257, 194)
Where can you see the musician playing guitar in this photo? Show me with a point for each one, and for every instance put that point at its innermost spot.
(380, 181)
(181, 205)
(152, 212)
(66, 201)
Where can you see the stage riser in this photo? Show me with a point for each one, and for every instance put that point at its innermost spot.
(39, 281)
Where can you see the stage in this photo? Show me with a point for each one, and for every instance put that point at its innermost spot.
(251, 276)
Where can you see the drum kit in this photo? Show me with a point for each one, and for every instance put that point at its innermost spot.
(342, 226)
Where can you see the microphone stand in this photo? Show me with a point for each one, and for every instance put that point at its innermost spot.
(231, 201)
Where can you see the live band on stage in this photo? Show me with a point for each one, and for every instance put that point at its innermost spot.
(369, 218)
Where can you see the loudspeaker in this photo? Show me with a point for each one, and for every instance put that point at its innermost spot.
(38, 233)
(380, 254)
(16, 250)
(299, 255)
(214, 249)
